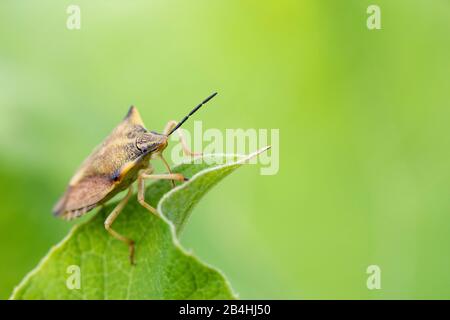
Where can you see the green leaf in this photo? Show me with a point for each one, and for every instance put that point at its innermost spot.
(163, 270)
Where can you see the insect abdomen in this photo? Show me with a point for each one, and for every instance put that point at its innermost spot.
(69, 215)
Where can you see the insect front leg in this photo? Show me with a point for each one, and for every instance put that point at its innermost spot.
(112, 216)
(186, 150)
(146, 174)
(166, 164)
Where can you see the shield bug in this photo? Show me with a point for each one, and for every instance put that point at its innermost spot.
(113, 166)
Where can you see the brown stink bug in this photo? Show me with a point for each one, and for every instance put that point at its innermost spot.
(123, 157)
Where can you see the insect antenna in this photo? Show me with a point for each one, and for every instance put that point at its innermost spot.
(192, 112)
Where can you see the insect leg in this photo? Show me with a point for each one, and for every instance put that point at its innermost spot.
(141, 195)
(167, 167)
(110, 219)
(186, 150)
(141, 186)
(165, 176)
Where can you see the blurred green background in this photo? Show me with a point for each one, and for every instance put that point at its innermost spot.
(364, 132)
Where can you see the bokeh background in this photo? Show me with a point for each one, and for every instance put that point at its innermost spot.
(364, 132)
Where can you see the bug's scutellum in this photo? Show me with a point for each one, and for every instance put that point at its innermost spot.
(122, 158)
